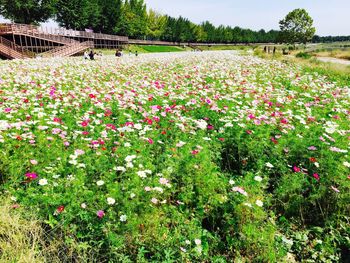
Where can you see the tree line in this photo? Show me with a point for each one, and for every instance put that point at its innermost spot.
(129, 18)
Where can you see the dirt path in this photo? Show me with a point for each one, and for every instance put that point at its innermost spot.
(334, 60)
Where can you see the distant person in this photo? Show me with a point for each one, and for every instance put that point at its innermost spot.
(136, 53)
(118, 53)
(274, 50)
(86, 55)
(265, 49)
(92, 55)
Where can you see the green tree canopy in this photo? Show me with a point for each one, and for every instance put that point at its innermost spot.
(27, 11)
(296, 27)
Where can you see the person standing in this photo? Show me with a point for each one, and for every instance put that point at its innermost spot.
(92, 55)
(86, 55)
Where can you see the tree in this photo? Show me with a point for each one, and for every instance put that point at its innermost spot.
(111, 11)
(133, 20)
(156, 23)
(27, 11)
(297, 27)
(78, 14)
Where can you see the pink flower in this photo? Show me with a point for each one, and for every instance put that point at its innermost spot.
(85, 123)
(312, 148)
(34, 162)
(210, 127)
(296, 169)
(316, 176)
(7, 110)
(194, 152)
(284, 121)
(100, 213)
(150, 141)
(31, 176)
(273, 139)
(163, 181)
(239, 190)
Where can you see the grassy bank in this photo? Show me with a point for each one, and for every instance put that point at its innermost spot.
(335, 72)
(159, 49)
(145, 49)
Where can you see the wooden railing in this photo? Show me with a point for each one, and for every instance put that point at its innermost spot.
(12, 46)
(83, 34)
(68, 50)
(34, 31)
(59, 34)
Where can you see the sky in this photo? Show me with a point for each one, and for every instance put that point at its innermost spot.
(331, 17)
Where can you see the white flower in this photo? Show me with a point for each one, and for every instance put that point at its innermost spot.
(110, 201)
(120, 169)
(346, 164)
(123, 218)
(100, 183)
(198, 242)
(43, 182)
(259, 203)
(130, 158)
(180, 144)
(231, 182)
(201, 124)
(138, 126)
(258, 178)
(127, 144)
(129, 165)
(83, 205)
(269, 165)
(142, 174)
(132, 195)
(188, 242)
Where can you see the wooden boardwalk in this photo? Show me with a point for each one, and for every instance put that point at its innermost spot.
(27, 41)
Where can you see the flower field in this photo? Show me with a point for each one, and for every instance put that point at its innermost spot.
(191, 157)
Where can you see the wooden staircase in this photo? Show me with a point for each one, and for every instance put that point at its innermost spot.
(35, 32)
(68, 50)
(195, 47)
(11, 51)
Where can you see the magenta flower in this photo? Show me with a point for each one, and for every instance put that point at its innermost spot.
(100, 213)
(31, 176)
(85, 123)
(316, 176)
(296, 169)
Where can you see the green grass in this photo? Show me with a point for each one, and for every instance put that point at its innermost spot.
(226, 47)
(162, 49)
(145, 49)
